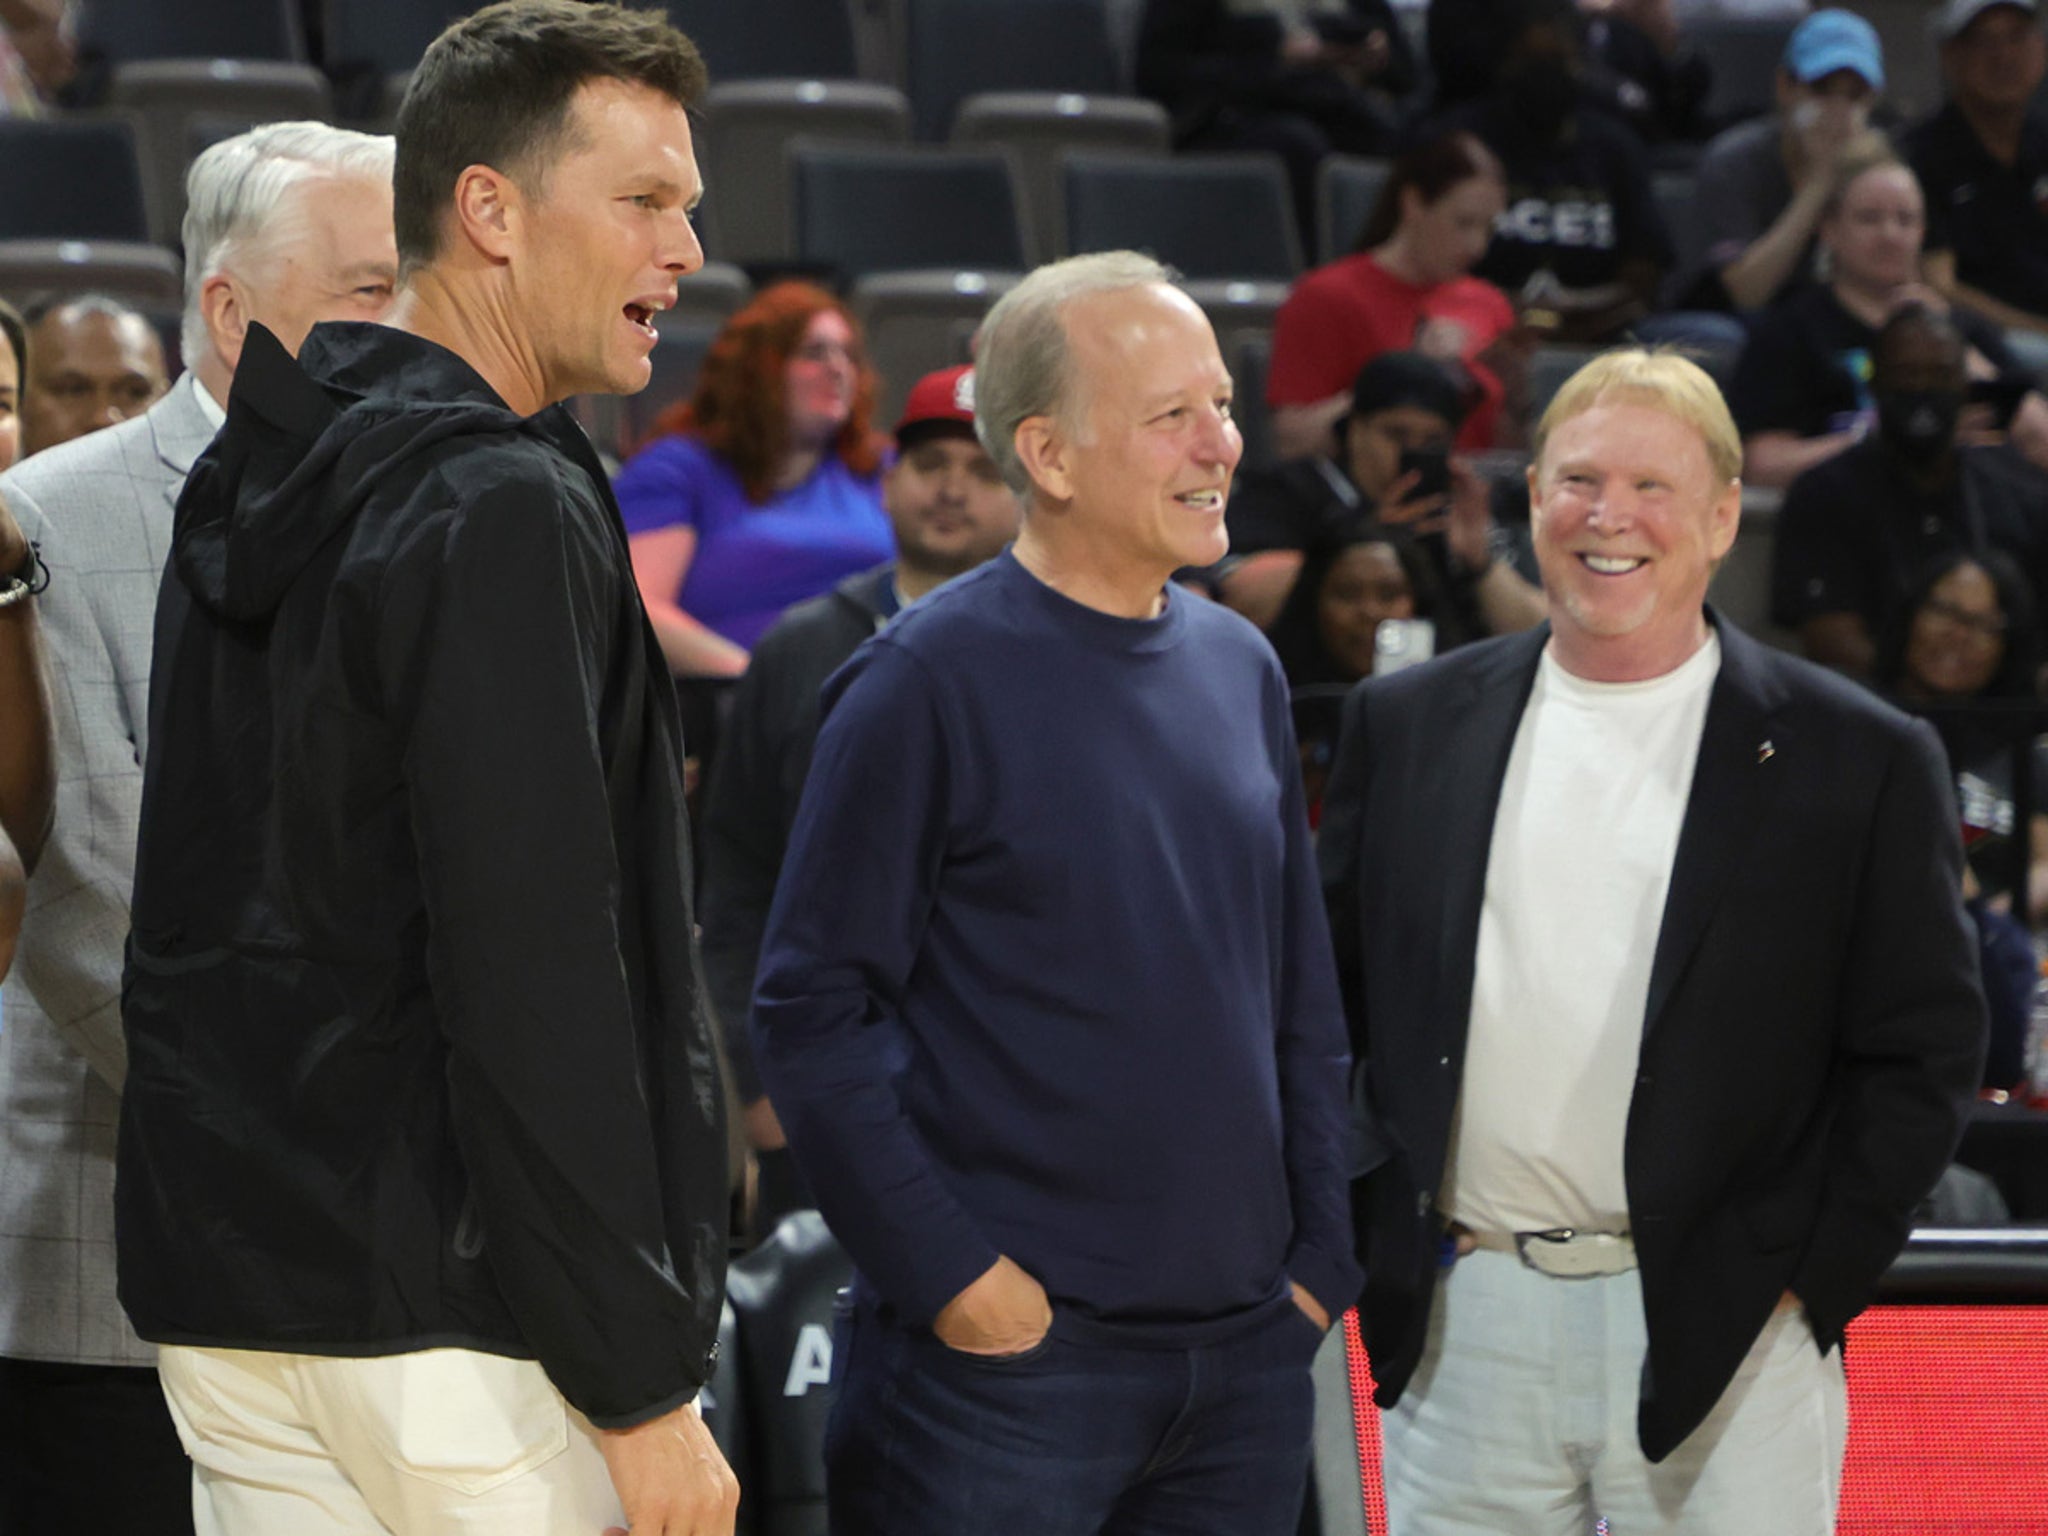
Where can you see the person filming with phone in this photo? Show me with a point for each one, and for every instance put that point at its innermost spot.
(1389, 458)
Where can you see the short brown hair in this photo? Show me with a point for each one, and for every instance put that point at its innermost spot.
(496, 89)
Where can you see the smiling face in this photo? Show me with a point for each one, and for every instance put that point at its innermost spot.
(1957, 638)
(1146, 444)
(1364, 585)
(820, 378)
(948, 506)
(1629, 522)
(333, 258)
(598, 250)
(1874, 234)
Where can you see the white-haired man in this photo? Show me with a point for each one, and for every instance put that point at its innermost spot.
(1046, 1003)
(288, 224)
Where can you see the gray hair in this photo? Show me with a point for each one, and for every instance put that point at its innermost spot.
(1021, 353)
(234, 189)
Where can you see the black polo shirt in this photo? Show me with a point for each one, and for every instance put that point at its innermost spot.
(1994, 217)
(1855, 533)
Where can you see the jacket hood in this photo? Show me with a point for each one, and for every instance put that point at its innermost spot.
(306, 441)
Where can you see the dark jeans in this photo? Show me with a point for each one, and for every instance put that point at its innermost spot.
(89, 1448)
(1071, 1438)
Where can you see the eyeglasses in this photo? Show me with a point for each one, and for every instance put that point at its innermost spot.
(1991, 626)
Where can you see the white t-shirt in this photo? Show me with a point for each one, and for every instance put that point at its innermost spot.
(1590, 811)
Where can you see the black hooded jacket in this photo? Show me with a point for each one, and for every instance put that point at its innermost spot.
(417, 1053)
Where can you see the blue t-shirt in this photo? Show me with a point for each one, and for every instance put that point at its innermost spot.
(1048, 973)
(752, 562)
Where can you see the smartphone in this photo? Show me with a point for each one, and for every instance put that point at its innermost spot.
(1399, 643)
(1434, 465)
(2002, 394)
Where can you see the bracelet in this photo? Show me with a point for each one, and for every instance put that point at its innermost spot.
(32, 578)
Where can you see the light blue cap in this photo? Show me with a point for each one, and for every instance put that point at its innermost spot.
(1830, 40)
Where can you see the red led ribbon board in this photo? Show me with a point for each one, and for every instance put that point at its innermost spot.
(1948, 1423)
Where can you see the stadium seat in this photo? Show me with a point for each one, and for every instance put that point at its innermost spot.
(919, 321)
(1348, 188)
(1211, 216)
(146, 276)
(746, 39)
(71, 179)
(876, 210)
(743, 149)
(959, 48)
(1549, 367)
(125, 30)
(183, 105)
(1249, 364)
(384, 37)
(1040, 128)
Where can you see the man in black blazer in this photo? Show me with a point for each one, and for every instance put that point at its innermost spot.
(1665, 1008)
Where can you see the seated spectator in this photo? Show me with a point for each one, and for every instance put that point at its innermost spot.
(763, 488)
(1302, 78)
(1801, 393)
(1402, 404)
(1970, 635)
(1328, 633)
(951, 512)
(1762, 184)
(37, 55)
(1856, 528)
(1641, 68)
(13, 350)
(92, 363)
(1407, 286)
(1581, 246)
(1983, 161)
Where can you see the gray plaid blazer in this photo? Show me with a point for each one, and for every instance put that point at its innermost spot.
(100, 507)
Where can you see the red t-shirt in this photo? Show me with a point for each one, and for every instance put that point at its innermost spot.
(1340, 317)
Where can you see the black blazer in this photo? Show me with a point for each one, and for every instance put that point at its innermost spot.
(1815, 1023)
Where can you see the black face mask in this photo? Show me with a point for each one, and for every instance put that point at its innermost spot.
(1541, 93)
(1920, 424)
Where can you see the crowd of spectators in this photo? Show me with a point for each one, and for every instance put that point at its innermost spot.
(1866, 287)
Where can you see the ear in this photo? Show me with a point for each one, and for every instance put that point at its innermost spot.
(1042, 449)
(489, 210)
(227, 316)
(1727, 521)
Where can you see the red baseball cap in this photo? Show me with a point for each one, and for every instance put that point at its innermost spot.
(942, 400)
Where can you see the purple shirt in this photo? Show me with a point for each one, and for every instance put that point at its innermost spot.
(752, 562)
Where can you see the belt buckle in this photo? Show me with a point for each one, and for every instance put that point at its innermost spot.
(1565, 1253)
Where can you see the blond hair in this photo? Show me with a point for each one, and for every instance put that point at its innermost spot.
(1661, 379)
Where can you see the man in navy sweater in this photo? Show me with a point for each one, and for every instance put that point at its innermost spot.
(1046, 1000)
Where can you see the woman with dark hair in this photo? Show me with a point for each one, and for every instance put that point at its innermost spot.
(762, 489)
(1972, 637)
(13, 364)
(1406, 288)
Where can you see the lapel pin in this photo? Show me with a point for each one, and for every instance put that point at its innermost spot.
(1765, 752)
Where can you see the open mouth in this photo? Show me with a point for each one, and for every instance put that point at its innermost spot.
(1612, 565)
(1202, 501)
(642, 315)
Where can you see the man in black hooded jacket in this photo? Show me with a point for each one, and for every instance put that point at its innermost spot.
(421, 1170)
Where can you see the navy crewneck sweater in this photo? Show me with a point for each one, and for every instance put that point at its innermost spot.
(1048, 975)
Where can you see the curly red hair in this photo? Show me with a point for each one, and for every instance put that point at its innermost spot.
(739, 409)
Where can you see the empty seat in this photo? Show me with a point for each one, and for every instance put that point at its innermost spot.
(958, 48)
(146, 276)
(1040, 128)
(916, 322)
(70, 179)
(123, 30)
(743, 148)
(1549, 366)
(708, 295)
(1348, 188)
(877, 210)
(1212, 216)
(384, 37)
(184, 105)
(741, 39)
